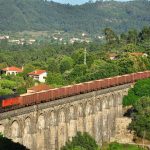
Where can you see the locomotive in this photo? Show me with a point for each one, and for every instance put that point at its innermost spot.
(71, 90)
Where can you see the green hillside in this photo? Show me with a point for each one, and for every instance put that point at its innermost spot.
(19, 15)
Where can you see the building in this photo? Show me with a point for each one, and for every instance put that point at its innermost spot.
(38, 75)
(11, 70)
(39, 88)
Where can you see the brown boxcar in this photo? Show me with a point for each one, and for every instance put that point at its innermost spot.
(69, 90)
(111, 81)
(104, 83)
(95, 82)
(132, 77)
(99, 84)
(120, 80)
(148, 72)
(29, 99)
(90, 86)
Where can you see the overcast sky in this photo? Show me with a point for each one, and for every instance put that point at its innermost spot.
(78, 1)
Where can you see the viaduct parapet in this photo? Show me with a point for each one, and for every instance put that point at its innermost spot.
(47, 126)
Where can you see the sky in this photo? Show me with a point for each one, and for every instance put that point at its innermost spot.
(73, 2)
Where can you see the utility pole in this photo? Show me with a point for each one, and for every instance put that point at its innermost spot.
(85, 56)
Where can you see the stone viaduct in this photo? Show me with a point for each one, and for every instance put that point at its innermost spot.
(47, 126)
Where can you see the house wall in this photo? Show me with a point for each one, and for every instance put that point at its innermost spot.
(42, 77)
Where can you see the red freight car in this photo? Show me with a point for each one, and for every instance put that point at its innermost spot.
(11, 102)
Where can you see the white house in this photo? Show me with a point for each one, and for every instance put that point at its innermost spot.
(11, 70)
(39, 75)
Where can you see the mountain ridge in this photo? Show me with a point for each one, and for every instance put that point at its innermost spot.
(41, 15)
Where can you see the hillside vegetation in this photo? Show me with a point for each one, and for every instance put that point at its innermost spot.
(19, 15)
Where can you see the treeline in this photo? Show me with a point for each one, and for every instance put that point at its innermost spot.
(39, 15)
(66, 64)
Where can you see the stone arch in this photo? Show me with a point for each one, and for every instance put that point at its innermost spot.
(27, 137)
(72, 122)
(97, 106)
(61, 116)
(71, 112)
(80, 119)
(27, 125)
(79, 110)
(62, 130)
(104, 102)
(2, 129)
(40, 136)
(52, 118)
(41, 122)
(89, 119)
(111, 100)
(119, 104)
(88, 109)
(52, 130)
(15, 129)
(113, 97)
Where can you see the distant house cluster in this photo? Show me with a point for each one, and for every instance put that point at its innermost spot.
(39, 75)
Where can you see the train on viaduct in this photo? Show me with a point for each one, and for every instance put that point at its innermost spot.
(46, 120)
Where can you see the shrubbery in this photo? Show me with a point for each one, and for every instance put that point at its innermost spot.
(141, 118)
(141, 88)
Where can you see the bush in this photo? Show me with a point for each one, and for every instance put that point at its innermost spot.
(141, 118)
(141, 88)
(81, 142)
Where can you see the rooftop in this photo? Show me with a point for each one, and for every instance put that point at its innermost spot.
(13, 68)
(37, 72)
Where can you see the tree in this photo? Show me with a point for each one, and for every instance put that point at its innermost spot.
(141, 118)
(82, 141)
(55, 79)
(118, 146)
(144, 34)
(132, 36)
(110, 36)
(140, 89)
(66, 64)
(7, 144)
(53, 65)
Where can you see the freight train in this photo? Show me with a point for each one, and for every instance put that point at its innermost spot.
(71, 90)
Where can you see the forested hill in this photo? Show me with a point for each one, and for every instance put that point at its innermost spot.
(19, 15)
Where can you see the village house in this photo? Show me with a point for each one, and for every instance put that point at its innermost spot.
(11, 70)
(38, 75)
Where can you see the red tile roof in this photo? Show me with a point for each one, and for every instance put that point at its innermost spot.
(40, 87)
(13, 68)
(37, 72)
